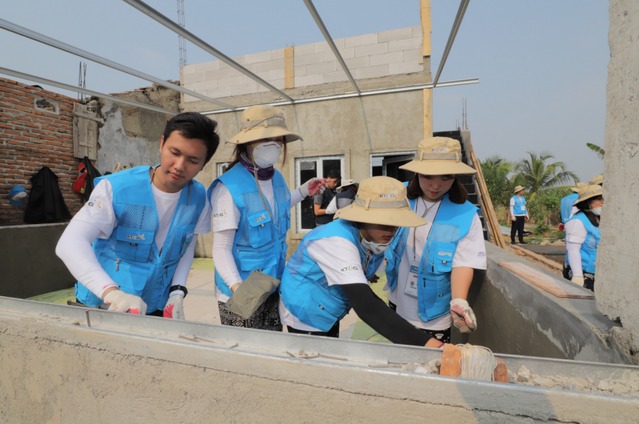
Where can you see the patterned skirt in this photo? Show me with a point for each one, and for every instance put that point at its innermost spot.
(266, 317)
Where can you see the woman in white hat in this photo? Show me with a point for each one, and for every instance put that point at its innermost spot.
(518, 215)
(251, 213)
(329, 272)
(582, 236)
(430, 268)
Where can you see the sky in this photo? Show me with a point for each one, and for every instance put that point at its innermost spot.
(541, 65)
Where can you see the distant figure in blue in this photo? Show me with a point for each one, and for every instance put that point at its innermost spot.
(518, 215)
(567, 208)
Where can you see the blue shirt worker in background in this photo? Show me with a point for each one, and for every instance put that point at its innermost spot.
(329, 272)
(518, 215)
(131, 245)
(567, 203)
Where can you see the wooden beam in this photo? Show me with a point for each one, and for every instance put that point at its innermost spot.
(424, 11)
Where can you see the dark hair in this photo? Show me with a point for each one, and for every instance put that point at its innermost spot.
(332, 173)
(243, 148)
(456, 194)
(193, 125)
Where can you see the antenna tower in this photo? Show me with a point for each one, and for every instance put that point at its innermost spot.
(181, 40)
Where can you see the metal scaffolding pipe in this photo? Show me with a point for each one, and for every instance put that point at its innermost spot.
(34, 78)
(360, 94)
(331, 43)
(17, 29)
(158, 17)
(463, 5)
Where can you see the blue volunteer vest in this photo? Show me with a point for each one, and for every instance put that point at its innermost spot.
(565, 206)
(520, 205)
(588, 249)
(259, 244)
(304, 289)
(451, 224)
(129, 256)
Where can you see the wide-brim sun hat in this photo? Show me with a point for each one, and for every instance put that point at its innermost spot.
(518, 189)
(588, 192)
(346, 183)
(262, 122)
(439, 156)
(579, 187)
(382, 201)
(596, 180)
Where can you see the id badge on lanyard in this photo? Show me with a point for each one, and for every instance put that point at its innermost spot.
(411, 285)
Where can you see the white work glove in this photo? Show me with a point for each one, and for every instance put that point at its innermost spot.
(578, 280)
(463, 316)
(312, 187)
(174, 307)
(119, 301)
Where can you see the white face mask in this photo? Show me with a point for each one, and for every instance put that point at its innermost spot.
(267, 154)
(374, 247)
(597, 211)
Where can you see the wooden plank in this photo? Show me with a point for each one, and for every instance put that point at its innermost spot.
(558, 288)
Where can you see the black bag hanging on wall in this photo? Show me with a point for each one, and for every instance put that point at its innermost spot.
(46, 203)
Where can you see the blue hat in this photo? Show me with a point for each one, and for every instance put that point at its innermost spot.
(17, 195)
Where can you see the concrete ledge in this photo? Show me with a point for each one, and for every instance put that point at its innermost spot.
(62, 363)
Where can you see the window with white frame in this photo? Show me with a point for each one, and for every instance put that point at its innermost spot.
(305, 169)
(220, 168)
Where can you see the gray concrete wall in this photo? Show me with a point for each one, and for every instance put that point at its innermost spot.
(132, 135)
(617, 286)
(367, 56)
(516, 317)
(61, 364)
(29, 264)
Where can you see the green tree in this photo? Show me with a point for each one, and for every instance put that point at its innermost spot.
(536, 174)
(496, 171)
(597, 149)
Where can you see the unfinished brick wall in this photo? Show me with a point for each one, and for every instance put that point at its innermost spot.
(36, 130)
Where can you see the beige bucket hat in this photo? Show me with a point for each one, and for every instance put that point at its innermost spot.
(345, 184)
(589, 191)
(596, 180)
(439, 156)
(383, 201)
(518, 189)
(260, 122)
(580, 186)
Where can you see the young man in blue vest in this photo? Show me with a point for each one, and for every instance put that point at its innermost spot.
(131, 245)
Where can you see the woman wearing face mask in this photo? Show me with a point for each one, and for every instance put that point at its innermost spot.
(582, 236)
(430, 268)
(329, 272)
(251, 213)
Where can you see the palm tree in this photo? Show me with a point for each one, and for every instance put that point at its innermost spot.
(496, 170)
(537, 175)
(597, 149)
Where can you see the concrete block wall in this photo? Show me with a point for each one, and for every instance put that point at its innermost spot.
(367, 56)
(36, 130)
